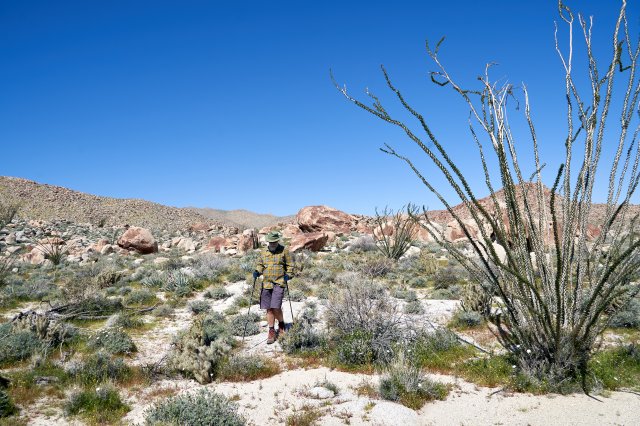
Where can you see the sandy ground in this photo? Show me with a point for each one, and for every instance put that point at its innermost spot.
(271, 401)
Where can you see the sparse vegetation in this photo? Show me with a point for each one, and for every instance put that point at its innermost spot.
(194, 409)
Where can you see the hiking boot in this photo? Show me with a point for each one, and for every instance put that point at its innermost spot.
(272, 336)
(282, 329)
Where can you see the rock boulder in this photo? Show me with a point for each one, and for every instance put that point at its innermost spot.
(138, 239)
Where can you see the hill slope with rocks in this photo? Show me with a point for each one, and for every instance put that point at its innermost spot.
(49, 202)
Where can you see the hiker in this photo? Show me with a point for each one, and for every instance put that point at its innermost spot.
(276, 265)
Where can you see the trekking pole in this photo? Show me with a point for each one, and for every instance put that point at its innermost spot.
(290, 306)
(249, 310)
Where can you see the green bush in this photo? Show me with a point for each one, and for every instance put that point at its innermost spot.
(102, 405)
(7, 408)
(296, 295)
(245, 368)
(451, 293)
(355, 349)
(237, 323)
(404, 383)
(140, 297)
(199, 306)
(466, 319)
(127, 321)
(164, 311)
(113, 340)
(100, 367)
(217, 293)
(628, 317)
(302, 338)
(446, 277)
(414, 307)
(196, 409)
(418, 282)
(17, 345)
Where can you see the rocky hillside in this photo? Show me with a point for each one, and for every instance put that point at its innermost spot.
(242, 218)
(50, 202)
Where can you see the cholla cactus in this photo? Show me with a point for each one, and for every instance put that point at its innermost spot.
(194, 356)
(475, 298)
(52, 332)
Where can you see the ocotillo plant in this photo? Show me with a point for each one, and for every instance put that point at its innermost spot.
(555, 278)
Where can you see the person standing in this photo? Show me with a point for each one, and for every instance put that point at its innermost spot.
(276, 265)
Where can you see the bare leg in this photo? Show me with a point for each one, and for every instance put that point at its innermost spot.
(277, 313)
(271, 317)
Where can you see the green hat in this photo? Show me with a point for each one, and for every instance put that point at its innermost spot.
(273, 237)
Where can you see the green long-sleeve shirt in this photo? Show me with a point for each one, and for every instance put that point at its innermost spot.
(274, 265)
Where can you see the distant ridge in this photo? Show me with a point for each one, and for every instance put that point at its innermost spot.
(242, 218)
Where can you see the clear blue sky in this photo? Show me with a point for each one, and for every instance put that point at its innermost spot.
(230, 105)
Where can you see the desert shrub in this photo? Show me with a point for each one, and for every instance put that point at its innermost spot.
(446, 277)
(199, 306)
(237, 324)
(217, 293)
(140, 297)
(476, 297)
(414, 307)
(235, 274)
(125, 321)
(438, 341)
(102, 405)
(466, 319)
(377, 266)
(7, 408)
(418, 282)
(361, 310)
(303, 338)
(407, 295)
(321, 275)
(241, 302)
(355, 348)
(163, 311)
(403, 382)
(296, 295)
(198, 351)
(108, 277)
(327, 385)
(17, 345)
(98, 368)
(204, 407)
(363, 244)
(451, 293)
(113, 340)
(154, 280)
(211, 265)
(180, 283)
(245, 368)
(628, 316)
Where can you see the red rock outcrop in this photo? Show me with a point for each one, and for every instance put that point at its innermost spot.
(323, 218)
(138, 239)
(313, 241)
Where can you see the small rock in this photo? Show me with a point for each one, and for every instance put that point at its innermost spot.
(138, 262)
(160, 260)
(320, 392)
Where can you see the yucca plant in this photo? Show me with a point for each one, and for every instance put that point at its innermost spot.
(556, 274)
